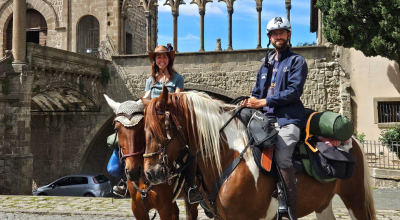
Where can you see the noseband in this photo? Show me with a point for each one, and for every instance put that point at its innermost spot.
(162, 154)
(121, 154)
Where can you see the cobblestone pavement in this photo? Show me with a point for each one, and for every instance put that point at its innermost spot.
(74, 208)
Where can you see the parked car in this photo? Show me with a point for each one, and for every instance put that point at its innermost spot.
(84, 184)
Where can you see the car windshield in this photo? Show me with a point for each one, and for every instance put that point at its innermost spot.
(101, 178)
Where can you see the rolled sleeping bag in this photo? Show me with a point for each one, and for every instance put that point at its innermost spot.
(331, 125)
(114, 168)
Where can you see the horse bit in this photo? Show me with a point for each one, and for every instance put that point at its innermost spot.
(162, 155)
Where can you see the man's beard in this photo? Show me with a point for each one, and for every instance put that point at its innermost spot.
(281, 46)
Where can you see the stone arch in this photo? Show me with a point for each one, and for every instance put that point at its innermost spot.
(62, 98)
(46, 10)
(95, 154)
(124, 6)
(218, 93)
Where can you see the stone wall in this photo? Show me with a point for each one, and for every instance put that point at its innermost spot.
(231, 74)
(62, 18)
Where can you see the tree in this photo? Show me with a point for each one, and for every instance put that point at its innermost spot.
(371, 26)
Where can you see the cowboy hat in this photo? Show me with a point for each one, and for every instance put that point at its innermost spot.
(162, 49)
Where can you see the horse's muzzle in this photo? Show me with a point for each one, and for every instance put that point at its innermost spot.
(133, 176)
(156, 175)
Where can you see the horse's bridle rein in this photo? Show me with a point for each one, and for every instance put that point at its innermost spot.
(162, 155)
(121, 154)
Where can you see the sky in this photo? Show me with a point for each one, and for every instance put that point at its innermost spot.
(244, 24)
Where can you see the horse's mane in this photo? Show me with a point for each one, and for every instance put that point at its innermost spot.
(203, 116)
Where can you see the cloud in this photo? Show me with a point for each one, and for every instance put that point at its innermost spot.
(189, 37)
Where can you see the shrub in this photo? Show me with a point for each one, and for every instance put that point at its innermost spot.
(390, 135)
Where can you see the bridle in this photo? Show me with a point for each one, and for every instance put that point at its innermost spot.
(121, 154)
(171, 122)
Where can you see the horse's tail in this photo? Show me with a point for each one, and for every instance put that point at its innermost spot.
(369, 200)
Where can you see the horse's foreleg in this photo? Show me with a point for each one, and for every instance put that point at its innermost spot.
(325, 212)
(138, 210)
(193, 211)
(169, 212)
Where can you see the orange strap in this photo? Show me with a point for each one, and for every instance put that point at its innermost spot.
(308, 135)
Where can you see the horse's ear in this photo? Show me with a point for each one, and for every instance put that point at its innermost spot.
(164, 96)
(145, 101)
(114, 105)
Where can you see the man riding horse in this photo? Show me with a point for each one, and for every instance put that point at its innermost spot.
(277, 91)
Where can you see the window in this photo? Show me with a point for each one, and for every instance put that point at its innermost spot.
(387, 111)
(64, 182)
(80, 180)
(101, 179)
(88, 36)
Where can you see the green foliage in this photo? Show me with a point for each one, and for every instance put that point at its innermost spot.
(389, 136)
(35, 77)
(105, 76)
(359, 137)
(371, 26)
(301, 44)
(5, 86)
(36, 89)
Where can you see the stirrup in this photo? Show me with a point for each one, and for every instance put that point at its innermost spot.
(117, 191)
(198, 195)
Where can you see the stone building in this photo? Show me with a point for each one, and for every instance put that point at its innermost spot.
(374, 84)
(94, 27)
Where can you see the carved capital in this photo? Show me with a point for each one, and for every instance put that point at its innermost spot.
(230, 10)
(259, 8)
(202, 12)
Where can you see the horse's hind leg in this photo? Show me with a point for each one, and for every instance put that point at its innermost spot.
(325, 212)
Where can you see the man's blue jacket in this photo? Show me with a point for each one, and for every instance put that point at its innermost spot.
(290, 79)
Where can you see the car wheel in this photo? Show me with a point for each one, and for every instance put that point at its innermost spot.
(88, 195)
(42, 194)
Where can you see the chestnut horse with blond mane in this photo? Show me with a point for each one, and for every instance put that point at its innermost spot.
(247, 193)
(132, 143)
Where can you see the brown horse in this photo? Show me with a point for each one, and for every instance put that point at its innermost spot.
(129, 127)
(246, 194)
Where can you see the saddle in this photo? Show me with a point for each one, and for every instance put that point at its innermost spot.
(261, 130)
(326, 164)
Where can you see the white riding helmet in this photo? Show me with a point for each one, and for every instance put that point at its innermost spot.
(278, 23)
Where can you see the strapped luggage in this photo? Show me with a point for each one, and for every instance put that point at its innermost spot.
(328, 163)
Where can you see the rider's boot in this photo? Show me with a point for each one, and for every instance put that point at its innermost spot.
(120, 189)
(194, 196)
(289, 178)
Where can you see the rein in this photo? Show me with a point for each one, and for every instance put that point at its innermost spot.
(163, 156)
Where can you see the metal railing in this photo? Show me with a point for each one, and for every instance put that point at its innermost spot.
(382, 156)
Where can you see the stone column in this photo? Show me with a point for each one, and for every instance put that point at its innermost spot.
(230, 12)
(19, 31)
(123, 33)
(202, 13)
(148, 23)
(175, 18)
(259, 9)
(288, 4)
